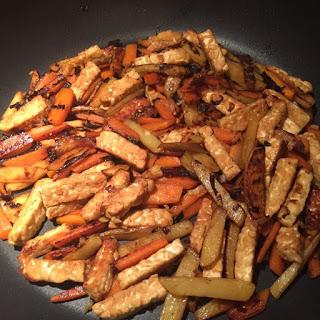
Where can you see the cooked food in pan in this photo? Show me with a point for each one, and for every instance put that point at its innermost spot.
(171, 168)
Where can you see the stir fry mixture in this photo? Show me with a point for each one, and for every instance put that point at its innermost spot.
(171, 168)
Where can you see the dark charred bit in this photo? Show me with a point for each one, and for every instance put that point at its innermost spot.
(6, 197)
(149, 112)
(77, 70)
(90, 125)
(192, 69)
(270, 83)
(67, 84)
(52, 154)
(247, 64)
(12, 204)
(178, 172)
(16, 105)
(203, 107)
(59, 106)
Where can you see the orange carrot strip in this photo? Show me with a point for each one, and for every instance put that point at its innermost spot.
(302, 162)
(152, 159)
(91, 117)
(188, 199)
(227, 136)
(164, 194)
(268, 241)
(250, 94)
(106, 74)
(185, 182)
(235, 152)
(27, 159)
(59, 253)
(168, 161)
(130, 54)
(193, 209)
(160, 88)
(141, 253)
(89, 162)
(68, 295)
(122, 128)
(46, 80)
(93, 134)
(147, 120)
(158, 126)
(63, 102)
(45, 132)
(288, 92)
(5, 226)
(190, 97)
(77, 233)
(276, 263)
(151, 78)
(15, 145)
(71, 218)
(114, 288)
(314, 267)
(164, 109)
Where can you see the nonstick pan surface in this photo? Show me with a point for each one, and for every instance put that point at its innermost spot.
(34, 34)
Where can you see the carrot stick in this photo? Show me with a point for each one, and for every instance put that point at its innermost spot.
(268, 241)
(93, 134)
(302, 162)
(276, 263)
(151, 78)
(160, 88)
(164, 109)
(89, 162)
(235, 152)
(130, 54)
(314, 267)
(45, 132)
(192, 209)
(63, 102)
(151, 160)
(59, 253)
(71, 218)
(190, 97)
(46, 80)
(288, 92)
(27, 159)
(5, 225)
(141, 253)
(91, 117)
(185, 182)
(148, 120)
(15, 145)
(114, 288)
(164, 194)
(122, 128)
(188, 199)
(68, 295)
(106, 74)
(168, 161)
(77, 233)
(227, 136)
(163, 124)
(250, 94)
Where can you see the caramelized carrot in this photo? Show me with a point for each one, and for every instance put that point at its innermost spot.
(114, 288)
(162, 124)
(192, 209)
(141, 253)
(151, 160)
(164, 109)
(5, 225)
(151, 78)
(106, 74)
(302, 162)
(46, 80)
(190, 97)
(63, 102)
(71, 218)
(227, 136)
(235, 152)
(188, 199)
(168, 161)
(49, 131)
(288, 92)
(148, 120)
(185, 182)
(268, 241)
(250, 94)
(59, 253)
(314, 267)
(160, 88)
(15, 145)
(130, 54)
(164, 194)
(89, 162)
(91, 117)
(77, 233)
(276, 263)
(27, 159)
(122, 128)
(70, 294)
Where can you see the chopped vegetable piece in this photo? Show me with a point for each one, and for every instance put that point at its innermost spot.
(178, 230)
(164, 109)
(231, 247)
(168, 161)
(27, 159)
(5, 225)
(15, 144)
(276, 263)
(185, 182)
(141, 253)
(193, 209)
(227, 136)
(121, 128)
(69, 295)
(212, 309)
(164, 194)
(71, 218)
(130, 54)
(219, 288)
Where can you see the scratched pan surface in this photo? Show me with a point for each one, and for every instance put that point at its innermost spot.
(35, 33)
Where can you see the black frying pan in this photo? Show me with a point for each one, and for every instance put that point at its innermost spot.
(34, 33)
